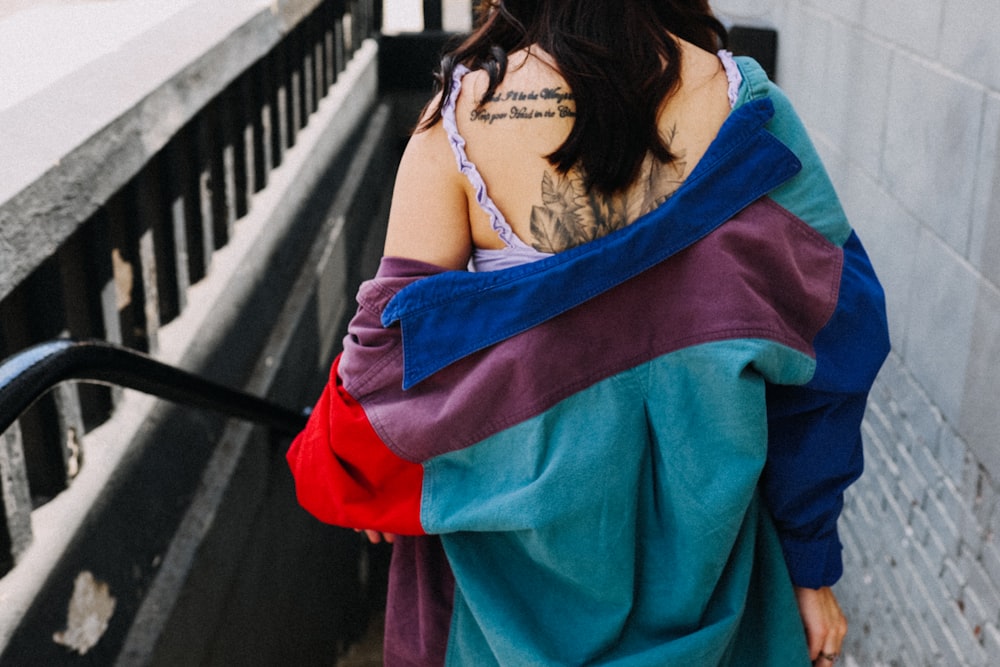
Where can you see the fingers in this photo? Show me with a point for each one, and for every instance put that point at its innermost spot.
(375, 536)
(824, 623)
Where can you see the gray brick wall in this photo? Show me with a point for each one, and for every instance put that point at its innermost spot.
(922, 569)
(903, 100)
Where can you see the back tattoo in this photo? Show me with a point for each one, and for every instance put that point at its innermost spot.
(570, 215)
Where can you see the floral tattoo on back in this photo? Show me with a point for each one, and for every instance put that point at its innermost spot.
(570, 215)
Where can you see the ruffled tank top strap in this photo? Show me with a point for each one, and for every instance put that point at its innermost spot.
(467, 167)
(732, 74)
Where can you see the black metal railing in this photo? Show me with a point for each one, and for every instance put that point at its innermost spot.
(28, 375)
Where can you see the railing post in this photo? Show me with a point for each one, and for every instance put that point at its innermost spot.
(15, 498)
(433, 15)
(151, 206)
(358, 28)
(340, 38)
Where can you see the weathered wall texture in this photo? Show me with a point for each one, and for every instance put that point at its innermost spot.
(249, 160)
(903, 100)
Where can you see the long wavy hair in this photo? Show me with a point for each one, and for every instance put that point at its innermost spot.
(618, 58)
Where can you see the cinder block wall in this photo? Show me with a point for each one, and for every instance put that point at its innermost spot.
(903, 100)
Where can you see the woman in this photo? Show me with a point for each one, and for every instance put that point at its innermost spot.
(605, 391)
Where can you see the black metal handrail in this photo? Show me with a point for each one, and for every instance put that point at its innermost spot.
(27, 375)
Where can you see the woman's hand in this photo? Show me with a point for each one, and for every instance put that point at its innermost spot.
(375, 537)
(824, 622)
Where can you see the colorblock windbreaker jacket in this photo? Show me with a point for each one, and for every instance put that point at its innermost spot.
(625, 453)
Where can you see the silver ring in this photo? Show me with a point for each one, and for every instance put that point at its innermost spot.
(832, 657)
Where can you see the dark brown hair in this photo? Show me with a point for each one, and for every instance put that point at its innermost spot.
(617, 57)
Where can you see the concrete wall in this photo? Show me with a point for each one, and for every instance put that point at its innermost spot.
(102, 111)
(196, 533)
(903, 100)
(182, 526)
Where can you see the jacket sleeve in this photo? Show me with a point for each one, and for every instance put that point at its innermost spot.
(344, 473)
(814, 430)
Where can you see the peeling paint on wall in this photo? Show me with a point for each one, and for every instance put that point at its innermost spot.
(90, 609)
(123, 279)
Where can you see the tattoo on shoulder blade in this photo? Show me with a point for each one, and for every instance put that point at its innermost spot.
(570, 215)
(516, 104)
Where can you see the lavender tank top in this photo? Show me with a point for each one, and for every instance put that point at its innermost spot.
(515, 250)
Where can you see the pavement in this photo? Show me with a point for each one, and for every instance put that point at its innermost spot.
(368, 651)
(43, 41)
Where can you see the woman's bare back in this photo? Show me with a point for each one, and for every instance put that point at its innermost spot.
(532, 113)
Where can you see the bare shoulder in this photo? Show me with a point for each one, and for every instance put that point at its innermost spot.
(429, 214)
(508, 135)
(700, 105)
(532, 105)
(700, 66)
